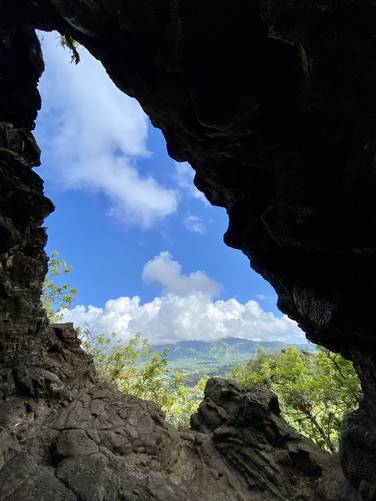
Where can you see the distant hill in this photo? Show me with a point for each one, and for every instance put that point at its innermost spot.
(227, 349)
(215, 358)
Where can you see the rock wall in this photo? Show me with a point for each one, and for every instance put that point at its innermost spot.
(272, 102)
(74, 438)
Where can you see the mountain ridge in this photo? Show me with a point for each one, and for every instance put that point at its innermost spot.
(216, 358)
(239, 348)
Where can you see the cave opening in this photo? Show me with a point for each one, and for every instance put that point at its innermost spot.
(122, 202)
(290, 157)
(124, 210)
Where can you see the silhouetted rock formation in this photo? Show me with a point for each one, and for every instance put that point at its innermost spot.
(272, 102)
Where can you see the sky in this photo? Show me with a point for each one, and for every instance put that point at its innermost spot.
(146, 247)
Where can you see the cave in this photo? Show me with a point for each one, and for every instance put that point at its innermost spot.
(272, 103)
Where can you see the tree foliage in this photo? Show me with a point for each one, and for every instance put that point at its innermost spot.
(69, 43)
(135, 368)
(315, 390)
(57, 295)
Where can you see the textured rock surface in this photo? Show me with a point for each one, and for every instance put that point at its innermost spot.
(65, 436)
(273, 104)
(247, 429)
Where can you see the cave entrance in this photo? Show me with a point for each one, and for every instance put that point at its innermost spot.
(146, 246)
(129, 219)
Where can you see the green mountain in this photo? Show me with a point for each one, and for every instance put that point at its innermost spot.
(216, 358)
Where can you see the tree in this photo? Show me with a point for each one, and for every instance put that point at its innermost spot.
(135, 368)
(315, 390)
(183, 400)
(69, 43)
(57, 297)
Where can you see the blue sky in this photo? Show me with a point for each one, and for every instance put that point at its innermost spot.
(146, 247)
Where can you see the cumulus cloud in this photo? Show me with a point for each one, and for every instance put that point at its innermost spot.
(174, 318)
(95, 135)
(168, 273)
(186, 311)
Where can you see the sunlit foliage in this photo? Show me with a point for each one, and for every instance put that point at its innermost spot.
(135, 368)
(315, 390)
(69, 43)
(57, 295)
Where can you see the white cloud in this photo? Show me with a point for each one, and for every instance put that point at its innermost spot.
(96, 133)
(167, 272)
(194, 224)
(195, 317)
(184, 175)
(185, 312)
